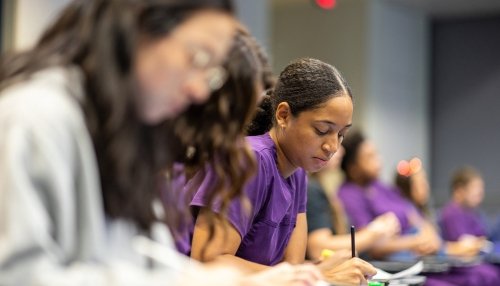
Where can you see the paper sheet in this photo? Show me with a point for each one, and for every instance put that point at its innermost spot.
(414, 270)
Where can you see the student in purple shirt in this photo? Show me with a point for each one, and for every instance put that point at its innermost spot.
(216, 143)
(412, 182)
(299, 127)
(461, 217)
(327, 220)
(364, 197)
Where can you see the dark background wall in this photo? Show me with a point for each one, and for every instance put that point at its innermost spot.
(465, 103)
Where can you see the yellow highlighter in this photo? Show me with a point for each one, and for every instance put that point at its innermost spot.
(326, 253)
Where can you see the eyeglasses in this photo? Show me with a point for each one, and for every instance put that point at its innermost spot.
(215, 76)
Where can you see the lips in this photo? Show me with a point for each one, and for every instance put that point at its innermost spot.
(320, 162)
(326, 159)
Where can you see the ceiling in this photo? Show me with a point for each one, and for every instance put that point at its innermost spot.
(436, 8)
(453, 8)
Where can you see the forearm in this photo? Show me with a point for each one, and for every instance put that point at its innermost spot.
(394, 245)
(365, 239)
(241, 264)
(295, 252)
(246, 266)
(42, 270)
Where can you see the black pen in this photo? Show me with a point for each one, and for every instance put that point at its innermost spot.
(353, 241)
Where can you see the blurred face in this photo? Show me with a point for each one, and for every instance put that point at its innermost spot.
(473, 193)
(368, 164)
(420, 188)
(310, 139)
(183, 67)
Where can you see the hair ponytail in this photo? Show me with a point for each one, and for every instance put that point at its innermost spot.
(304, 84)
(263, 119)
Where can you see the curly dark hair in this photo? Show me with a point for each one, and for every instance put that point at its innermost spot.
(210, 136)
(304, 84)
(100, 37)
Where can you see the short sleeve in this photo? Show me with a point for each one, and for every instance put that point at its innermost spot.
(239, 213)
(455, 223)
(450, 226)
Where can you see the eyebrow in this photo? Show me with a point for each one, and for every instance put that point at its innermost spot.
(332, 123)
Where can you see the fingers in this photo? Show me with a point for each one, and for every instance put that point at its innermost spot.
(386, 224)
(427, 249)
(359, 270)
(366, 268)
(352, 272)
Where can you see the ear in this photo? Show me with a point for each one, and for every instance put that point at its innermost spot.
(283, 114)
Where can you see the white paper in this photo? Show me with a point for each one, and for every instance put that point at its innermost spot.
(414, 270)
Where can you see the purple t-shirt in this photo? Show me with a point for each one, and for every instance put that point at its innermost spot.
(456, 221)
(266, 227)
(174, 197)
(363, 204)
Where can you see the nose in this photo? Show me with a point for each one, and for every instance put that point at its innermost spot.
(196, 88)
(331, 145)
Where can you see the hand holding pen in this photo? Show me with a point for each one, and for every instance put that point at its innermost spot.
(345, 267)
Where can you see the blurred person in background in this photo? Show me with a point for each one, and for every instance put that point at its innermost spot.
(365, 197)
(327, 223)
(461, 216)
(411, 179)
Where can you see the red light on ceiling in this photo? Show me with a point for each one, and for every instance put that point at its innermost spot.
(326, 4)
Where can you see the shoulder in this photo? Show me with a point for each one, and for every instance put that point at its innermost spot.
(47, 98)
(348, 189)
(383, 187)
(301, 178)
(261, 144)
(449, 210)
(264, 151)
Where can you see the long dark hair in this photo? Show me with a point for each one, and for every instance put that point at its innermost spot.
(305, 84)
(210, 136)
(100, 37)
